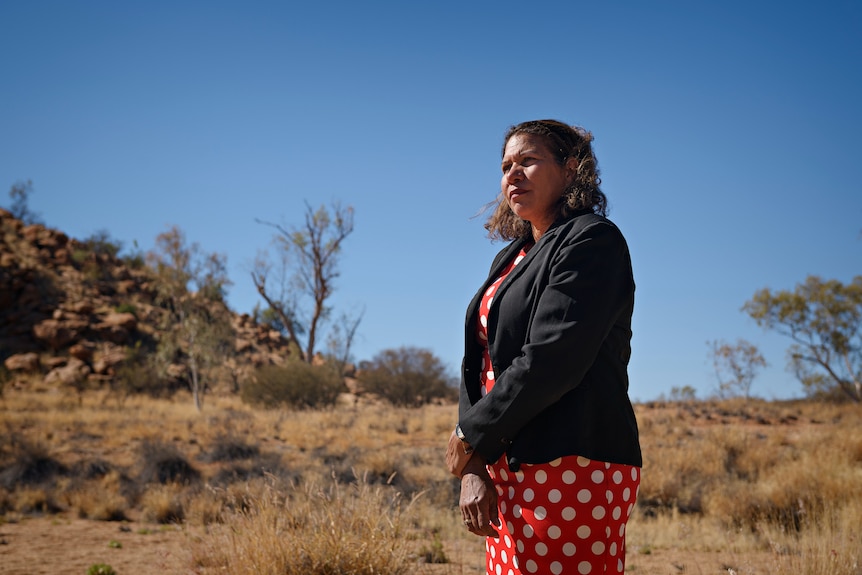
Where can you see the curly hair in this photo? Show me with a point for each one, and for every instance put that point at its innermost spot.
(564, 142)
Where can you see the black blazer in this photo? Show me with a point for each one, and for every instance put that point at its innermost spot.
(559, 333)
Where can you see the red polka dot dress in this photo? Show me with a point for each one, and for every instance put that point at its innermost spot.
(567, 516)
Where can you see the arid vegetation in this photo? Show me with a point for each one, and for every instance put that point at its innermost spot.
(299, 462)
(740, 486)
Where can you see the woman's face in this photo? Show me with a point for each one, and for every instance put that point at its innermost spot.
(533, 181)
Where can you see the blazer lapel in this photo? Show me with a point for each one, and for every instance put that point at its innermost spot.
(523, 265)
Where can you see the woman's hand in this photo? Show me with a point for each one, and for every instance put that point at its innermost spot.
(479, 499)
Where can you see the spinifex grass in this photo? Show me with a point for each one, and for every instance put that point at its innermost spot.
(278, 529)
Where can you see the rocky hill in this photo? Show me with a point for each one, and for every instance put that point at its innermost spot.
(71, 315)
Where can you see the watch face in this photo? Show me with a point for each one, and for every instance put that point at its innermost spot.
(459, 433)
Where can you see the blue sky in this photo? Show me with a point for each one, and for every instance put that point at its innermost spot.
(728, 135)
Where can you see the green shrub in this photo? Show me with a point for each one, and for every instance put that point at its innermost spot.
(138, 375)
(101, 569)
(126, 308)
(79, 256)
(297, 384)
(408, 377)
(101, 244)
(134, 260)
(433, 552)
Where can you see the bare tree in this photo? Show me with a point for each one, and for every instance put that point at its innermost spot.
(341, 338)
(736, 366)
(298, 285)
(191, 287)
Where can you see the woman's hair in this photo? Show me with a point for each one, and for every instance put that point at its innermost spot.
(564, 142)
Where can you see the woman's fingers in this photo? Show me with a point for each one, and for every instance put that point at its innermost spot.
(478, 505)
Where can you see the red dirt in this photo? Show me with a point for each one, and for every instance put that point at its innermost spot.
(53, 545)
(58, 545)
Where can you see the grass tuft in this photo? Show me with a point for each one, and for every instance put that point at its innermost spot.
(283, 529)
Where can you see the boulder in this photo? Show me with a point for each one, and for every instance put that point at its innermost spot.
(57, 334)
(116, 327)
(81, 307)
(123, 320)
(82, 350)
(107, 359)
(73, 373)
(28, 362)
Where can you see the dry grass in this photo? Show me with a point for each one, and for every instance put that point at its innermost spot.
(313, 530)
(781, 483)
(748, 486)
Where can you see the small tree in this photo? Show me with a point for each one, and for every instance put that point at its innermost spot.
(407, 376)
(736, 366)
(341, 338)
(20, 208)
(191, 287)
(824, 321)
(298, 285)
(683, 393)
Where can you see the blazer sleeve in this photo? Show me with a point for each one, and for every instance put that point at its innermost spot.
(589, 285)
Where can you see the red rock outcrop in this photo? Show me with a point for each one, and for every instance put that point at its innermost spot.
(71, 316)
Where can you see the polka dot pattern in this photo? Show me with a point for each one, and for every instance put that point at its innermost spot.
(567, 518)
(487, 374)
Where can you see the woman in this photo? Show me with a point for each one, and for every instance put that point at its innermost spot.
(546, 444)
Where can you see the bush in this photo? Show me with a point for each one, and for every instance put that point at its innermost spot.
(163, 505)
(137, 376)
(126, 308)
(23, 463)
(298, 384)
(101, 244)
(134, 259)
(313, 530)
(408, 376)
(101, 569)
(163, 463)
(228, 447)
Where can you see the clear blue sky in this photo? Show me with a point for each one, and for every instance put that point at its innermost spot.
(728, 135)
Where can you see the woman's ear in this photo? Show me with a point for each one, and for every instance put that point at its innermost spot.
(572, 164)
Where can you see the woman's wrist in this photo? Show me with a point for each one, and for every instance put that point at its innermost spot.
(458, 455)
(476, 466)
(466, 444)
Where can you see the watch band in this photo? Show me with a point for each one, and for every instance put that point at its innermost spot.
(468, 449)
